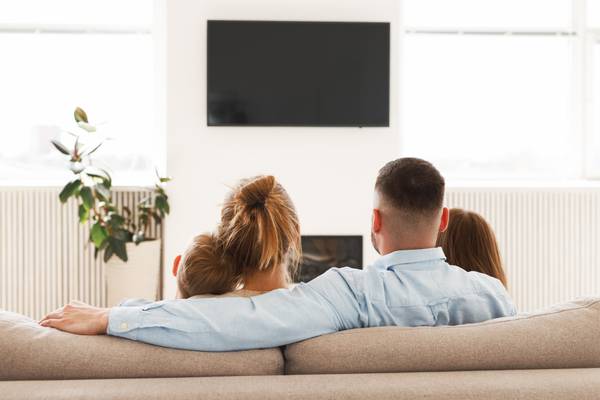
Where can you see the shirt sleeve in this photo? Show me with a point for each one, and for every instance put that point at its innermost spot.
(280, 317)
(135, 302)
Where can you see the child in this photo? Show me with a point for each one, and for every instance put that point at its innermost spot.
(204, 270)
(470, 243)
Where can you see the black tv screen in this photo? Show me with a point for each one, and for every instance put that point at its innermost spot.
(275, 73)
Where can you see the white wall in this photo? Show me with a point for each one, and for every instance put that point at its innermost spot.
(329, 172)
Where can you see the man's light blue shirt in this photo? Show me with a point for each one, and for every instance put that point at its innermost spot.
(403, 288)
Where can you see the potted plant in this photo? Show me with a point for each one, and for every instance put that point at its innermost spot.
(131, 257)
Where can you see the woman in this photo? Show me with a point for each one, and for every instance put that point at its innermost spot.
(255, 249)
(469, 242)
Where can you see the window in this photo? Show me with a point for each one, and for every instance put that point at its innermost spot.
(592, 94)
(498, 89)
(58, 55)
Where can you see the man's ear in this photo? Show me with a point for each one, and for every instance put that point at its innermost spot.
(376, 221)
(176, 262)
(444, 220)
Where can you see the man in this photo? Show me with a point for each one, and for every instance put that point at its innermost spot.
(409, 285)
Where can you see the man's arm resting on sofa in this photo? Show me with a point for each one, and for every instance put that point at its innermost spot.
(223, 324)
(79, 318)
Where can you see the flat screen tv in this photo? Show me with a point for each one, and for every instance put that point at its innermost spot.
(276, 73)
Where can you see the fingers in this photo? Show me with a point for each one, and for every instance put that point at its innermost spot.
(53, 323)
(58, 313)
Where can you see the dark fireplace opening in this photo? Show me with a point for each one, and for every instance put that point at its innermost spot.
(319, 253)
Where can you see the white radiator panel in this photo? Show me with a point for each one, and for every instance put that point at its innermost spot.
(45, 257)
(548, 239)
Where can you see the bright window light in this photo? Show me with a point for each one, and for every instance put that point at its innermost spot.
(490, 106)
(502, 89)
(44, 76)
(77, 12)
(486, 14)
(593, 13)
(594, 155)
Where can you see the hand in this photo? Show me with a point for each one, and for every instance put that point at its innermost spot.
(79, 318)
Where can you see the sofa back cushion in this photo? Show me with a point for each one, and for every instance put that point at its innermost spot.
(29, 351)
(565, 336)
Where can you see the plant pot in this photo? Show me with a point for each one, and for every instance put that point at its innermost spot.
(136, 278)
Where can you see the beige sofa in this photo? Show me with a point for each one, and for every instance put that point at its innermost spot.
(554, 354)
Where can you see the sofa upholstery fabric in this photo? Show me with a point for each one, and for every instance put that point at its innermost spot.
(564, 336)
(580, 384)
(29, 351)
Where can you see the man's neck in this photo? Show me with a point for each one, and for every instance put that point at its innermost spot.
(392, 247)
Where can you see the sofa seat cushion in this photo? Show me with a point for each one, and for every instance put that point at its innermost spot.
(564, 336)
(546, 384)
(29, 351)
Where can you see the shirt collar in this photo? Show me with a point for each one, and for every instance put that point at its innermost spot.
(404, 257)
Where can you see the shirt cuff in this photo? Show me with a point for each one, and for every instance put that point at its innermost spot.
(124, 321)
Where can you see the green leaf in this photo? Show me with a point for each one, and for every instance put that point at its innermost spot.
(108, 252)
(118, 247)
(77, 145)
(162, 204)
(98, 234)
(86, 127)
(165, 179)
(108, 182)
(100, 173)
(102, 191)
(116, 221)
(122, 235)
(96, 172)
(87, 197)
(69, 189)
(97, 250)
(143, 220)
(80, 115)
(60, 147)
(86, 152)
(84, 213)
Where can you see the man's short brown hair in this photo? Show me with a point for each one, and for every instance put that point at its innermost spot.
(411, 185)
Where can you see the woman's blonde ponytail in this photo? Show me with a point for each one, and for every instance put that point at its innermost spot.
(259, 227)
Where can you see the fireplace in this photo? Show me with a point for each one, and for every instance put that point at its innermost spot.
(319, 253)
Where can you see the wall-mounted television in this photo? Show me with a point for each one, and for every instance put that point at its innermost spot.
(277, 73)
